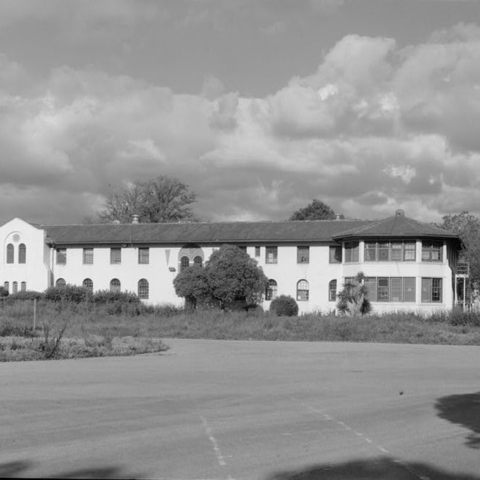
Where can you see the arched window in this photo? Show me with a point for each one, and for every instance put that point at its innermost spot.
(60, 282)
(143, 289)
(184, 263)
(115, 285)
(23, 286)
(332, 291)
(271, 292)
(22, 253)
(198, 260)
(302, 290)
(6, 286)
(14, 287)
(10, 253)
(87, 283)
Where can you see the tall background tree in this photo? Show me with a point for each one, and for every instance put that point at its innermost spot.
(163, 199)
(230, 277)
(315, 210)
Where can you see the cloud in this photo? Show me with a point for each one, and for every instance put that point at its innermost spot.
(372, 129)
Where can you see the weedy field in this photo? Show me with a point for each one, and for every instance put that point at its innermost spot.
(45, 329)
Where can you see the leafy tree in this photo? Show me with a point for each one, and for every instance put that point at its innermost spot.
(352, 300)
(467, 227)
(230, 276)
(315, 210)
(163, 199)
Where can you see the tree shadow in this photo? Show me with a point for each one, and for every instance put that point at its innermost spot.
(463, 410)
(382, 468)
(18, 469)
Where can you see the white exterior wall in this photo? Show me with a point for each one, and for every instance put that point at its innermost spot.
(35, 272)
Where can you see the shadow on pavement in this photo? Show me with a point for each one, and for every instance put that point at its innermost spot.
(463, 410)
(373, 469)
(19, 468)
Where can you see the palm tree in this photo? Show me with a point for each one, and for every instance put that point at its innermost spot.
(352, 300)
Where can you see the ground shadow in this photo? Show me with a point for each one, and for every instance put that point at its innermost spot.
(383, 468)
(19, 469)
(463, 410)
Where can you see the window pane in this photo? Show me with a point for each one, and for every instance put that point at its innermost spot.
(409, 289)
(61, 256)
(303, 254)
(436, 252)
(396, 252)
(10, 253)
(426, 290)
(257, 251)
(271, 292)
(143, 255)
(396, 290)
(383, 248)
(351, 252)
(115, 256)
(370, 251)
(409, 251)
(87, 283)
(23, 287)
(88, 255)
(332, 291)
(302, 290)
(335, 255)
(271, 255)
(184, 263)
(60, 282)
(22, 253)
(436, 289)
(383, 290)
(143, 289)
(371, 284)
(198, 261)
(14, 287)
(115, 285)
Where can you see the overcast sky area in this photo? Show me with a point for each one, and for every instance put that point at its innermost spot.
(258, 105)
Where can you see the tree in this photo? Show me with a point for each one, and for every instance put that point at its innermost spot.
(229, 277)
(315, 210)
(352, 300)
(163, 199)
(467, 227)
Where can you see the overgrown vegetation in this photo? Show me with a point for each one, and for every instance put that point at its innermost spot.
(85, 329)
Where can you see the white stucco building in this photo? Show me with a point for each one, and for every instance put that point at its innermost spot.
(410, 265)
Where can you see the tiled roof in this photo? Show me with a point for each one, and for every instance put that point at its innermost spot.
(396, 226)
(181, 233)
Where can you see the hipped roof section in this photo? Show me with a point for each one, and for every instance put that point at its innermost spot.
(314, 231)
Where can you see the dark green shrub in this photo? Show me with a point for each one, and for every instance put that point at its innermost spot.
(26, 295)
(107, 296)
(284, 305)
(3, 292)
(68, 294)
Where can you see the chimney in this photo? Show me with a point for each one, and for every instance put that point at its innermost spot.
(399, 213)
(135, 219)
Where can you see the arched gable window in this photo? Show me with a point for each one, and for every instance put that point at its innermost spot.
(302, 290)
(271, 292)
(332, 291)
(87, 283)
(198, 260)
(22, 253)
(184, 263)
(115, 285)
(143, 289)
(10, 253)
(60, 282)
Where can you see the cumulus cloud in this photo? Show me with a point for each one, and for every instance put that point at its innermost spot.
(372, 129)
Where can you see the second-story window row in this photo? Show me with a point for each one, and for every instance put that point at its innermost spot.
(390, 251)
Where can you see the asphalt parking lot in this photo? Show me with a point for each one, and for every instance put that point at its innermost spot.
(234, 410)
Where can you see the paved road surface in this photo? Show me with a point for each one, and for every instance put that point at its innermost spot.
(223, 410)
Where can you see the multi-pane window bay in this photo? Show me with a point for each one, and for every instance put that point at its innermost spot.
(271, 254)
(432, 251)
(61, 256)
(389, 289)
(116, 256)
(390, 251)
(303, 254)
(88, 256)
(432, 290)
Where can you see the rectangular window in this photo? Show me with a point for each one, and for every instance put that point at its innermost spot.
(143, 255)
(371, 284)
(370, 251)
(303, 254)
(61, 256)
(335, 255)
(431, 290)
(389, 251)
(383, 291)
(396, 252)
(432, 251)
(271, 255)
(383, 249)
(88, 256)
(409, 251)
(257, 252)
(115, 256)
(409, 289)
(351, 252)
(396, 290)
(391, 289)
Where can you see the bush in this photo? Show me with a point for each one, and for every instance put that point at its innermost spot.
(68, 294)
(107, 296)
(26, 295)
(3, 292)
(284, 305)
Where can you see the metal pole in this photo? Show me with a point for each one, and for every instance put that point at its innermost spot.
(34, 314)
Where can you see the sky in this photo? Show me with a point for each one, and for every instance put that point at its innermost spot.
(259, 106)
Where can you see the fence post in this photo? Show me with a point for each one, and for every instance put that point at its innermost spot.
(34, 314)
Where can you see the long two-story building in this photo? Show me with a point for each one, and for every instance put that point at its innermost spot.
(409, 265)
